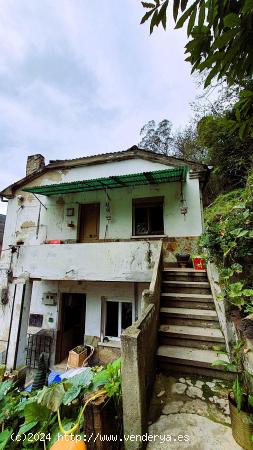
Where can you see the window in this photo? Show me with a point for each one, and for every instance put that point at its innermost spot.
(118, 316)
(148, 216)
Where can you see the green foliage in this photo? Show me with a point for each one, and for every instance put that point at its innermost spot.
(187, 145)
(5, 437)
(241, 384)
(21, 412)
(230, 156)
(220, 33)
(110, 378)
(220, 45)
(228, 238)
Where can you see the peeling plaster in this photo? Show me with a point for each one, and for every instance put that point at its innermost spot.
(28, 224)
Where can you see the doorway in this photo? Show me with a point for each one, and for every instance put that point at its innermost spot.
(89, 215)
(72, 324)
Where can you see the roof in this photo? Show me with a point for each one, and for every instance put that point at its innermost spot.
(119, 181)
(134, 152)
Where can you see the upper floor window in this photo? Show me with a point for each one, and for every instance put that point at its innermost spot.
(148, 216)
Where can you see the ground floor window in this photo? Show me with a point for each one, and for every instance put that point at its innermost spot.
(118, 316)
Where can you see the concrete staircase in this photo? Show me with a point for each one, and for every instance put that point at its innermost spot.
(189, 333)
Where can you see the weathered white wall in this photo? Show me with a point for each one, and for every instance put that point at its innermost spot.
(103, 261)
(93, 292)
(22, 220)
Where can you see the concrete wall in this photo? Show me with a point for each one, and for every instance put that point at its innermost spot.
(139, 344)
(221, 306)
(112, 261)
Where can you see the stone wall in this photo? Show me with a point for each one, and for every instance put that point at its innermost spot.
(174, 245)
(138, 346)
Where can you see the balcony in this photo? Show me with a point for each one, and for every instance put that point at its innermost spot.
(101, 261)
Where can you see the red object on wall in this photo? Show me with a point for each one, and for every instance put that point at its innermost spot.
(199, 263)
(54, 241)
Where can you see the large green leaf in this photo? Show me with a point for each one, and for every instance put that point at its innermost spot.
(202, 14)
(183, 4)
(71, 394)
(5, 388)
(185, 16)
(223, 39)
(52, 397)
(146, 16)
(100, 379)
(83, 379)
(5, 437)
(27, 427)
(116, 364)
(175, 9)
(191, 21)
(36, 412)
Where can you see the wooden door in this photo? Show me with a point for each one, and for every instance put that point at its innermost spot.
(89, 222)
(72, 324)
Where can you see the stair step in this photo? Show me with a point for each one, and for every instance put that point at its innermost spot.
(171, 368)
(185, 304)
(187, 332)
(182, 269)
(187, 313)
(191, 343)
(170, 298)
(204, 284)
(184, 275)
(188, 296)
(189, 356)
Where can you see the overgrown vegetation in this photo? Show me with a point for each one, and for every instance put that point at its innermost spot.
(228, 239)
(35, 420)
(241, 386)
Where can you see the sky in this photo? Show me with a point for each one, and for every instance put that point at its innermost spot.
(81, 77)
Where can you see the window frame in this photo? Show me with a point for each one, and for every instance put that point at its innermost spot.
(119, 301)
(147, 202)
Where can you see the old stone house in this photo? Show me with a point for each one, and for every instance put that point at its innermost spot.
(83, 237)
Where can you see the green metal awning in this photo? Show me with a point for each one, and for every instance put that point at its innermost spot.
(119, 181)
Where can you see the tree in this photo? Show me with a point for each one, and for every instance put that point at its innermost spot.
(158, 137)
(220, 44)
(221, 34)
(187, 145)
(231, 157)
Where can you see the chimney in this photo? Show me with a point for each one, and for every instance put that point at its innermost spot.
(34, 163)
